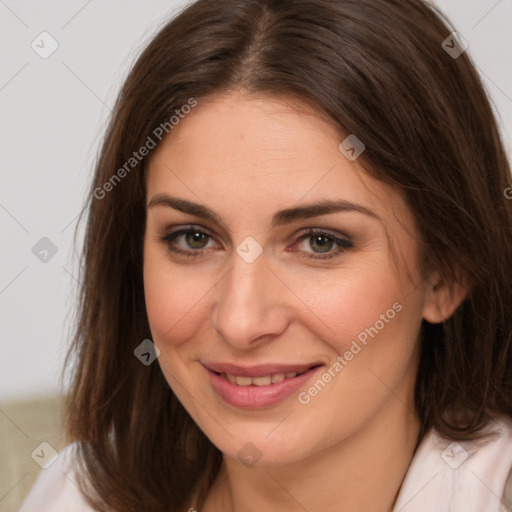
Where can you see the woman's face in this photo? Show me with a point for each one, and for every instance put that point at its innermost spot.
(284, 326)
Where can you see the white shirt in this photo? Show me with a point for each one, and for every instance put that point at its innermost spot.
(444, 476)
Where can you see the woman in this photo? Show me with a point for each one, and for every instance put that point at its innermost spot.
(297, 273)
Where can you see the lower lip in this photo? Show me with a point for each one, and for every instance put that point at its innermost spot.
(253, 397)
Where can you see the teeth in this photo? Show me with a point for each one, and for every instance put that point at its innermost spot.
(278, 377)
(244, 381)
(264, 380)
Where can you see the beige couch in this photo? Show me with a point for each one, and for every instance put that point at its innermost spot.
(24, 425)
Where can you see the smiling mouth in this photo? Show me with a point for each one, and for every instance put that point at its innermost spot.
(264, 380)
(259, 386)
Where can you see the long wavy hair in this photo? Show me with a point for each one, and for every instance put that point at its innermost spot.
(376, 68)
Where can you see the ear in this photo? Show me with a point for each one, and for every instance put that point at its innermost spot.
(443, 296)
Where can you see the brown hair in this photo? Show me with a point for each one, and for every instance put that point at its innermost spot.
(378, 70)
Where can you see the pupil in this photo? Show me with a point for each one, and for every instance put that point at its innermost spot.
(195, 239)
(323, 243)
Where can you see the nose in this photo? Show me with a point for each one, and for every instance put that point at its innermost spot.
(250, 308)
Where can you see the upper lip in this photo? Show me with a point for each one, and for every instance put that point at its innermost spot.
(259, 370)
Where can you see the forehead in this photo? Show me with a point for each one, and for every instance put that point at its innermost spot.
(239, 152)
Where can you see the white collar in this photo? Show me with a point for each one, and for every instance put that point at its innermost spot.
(464, 476)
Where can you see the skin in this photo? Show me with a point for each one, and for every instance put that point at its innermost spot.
(246, 157)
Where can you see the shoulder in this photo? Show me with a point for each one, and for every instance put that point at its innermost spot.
(506, 505)
(55, 489)
(470, 476)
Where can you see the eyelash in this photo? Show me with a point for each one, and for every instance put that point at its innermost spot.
(342, 243)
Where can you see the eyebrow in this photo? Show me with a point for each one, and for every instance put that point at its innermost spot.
(286, 216)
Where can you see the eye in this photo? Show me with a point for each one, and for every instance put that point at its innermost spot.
(316, 243)
(321, 242)
(196, 239)
(324, 245)
(188, 241)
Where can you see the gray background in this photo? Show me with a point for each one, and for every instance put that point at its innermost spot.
(52, 115)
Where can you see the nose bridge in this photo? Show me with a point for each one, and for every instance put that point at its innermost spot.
(247, 305)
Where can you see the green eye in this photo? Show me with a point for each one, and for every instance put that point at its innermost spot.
(321, 243)
(317, 244)
(187, 242)
(196, 239)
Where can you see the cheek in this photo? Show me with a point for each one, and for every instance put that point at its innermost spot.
(341, 306)
(375, 324)
(368, 318)
(175, 299)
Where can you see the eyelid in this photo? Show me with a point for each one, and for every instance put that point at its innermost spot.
(326, 231)
(184, 228)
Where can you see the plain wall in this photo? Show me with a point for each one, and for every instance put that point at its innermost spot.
(52, 115)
